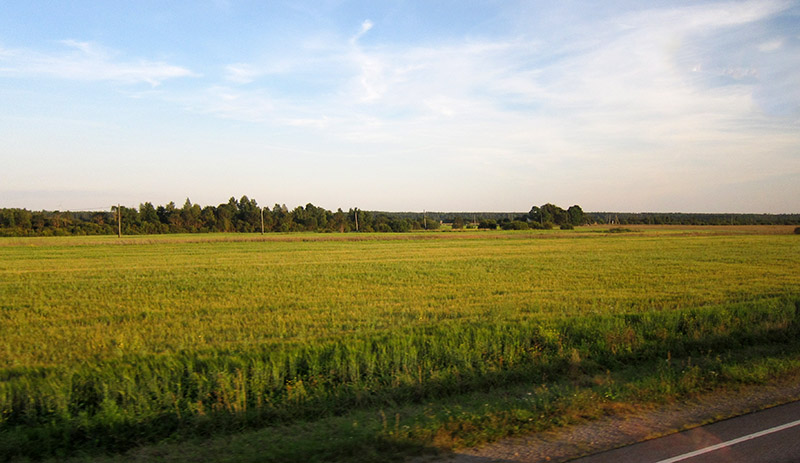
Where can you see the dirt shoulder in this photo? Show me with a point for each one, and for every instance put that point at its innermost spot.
(626, 426)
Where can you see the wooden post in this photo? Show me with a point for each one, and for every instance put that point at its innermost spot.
(119, 221)
(262, 220)
(356, 214)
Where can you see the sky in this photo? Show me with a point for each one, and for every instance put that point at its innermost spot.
(630, 106)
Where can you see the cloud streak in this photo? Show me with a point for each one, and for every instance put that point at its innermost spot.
(624, 100)
(366, 26)
(88, 62)
(242, 73)
(641, 109)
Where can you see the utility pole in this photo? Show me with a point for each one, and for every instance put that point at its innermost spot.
(119, 221)
(262, 220)
(424, 219)
(355, 211)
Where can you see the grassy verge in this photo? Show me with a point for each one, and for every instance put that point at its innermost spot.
(393, 433)
(136, 400)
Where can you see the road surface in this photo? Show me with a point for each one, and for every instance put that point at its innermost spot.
(768, 436)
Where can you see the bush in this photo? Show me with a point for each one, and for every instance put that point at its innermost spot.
(619, 230)
(797, 231)
(567, 226)
(515, 225)
(401, 225)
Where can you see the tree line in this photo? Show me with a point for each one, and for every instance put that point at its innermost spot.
(246, 216)
(542, 217)
(684, 218)
(242, 216)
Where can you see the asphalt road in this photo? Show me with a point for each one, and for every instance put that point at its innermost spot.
(768, 436)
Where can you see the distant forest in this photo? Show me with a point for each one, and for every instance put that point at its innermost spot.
(246, 216)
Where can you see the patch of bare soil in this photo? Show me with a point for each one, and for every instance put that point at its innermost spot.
(627, 425)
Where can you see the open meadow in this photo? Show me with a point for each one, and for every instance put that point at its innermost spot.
(371, 347)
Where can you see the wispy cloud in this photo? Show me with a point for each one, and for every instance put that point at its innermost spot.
(366, 26)
(626, 76)
(721, 14)
(231, 103)
(241, 73)
(771, 46)
(88, 61)
(626, 106)
(634, 95)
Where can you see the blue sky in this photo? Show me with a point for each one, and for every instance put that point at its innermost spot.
(402, 105)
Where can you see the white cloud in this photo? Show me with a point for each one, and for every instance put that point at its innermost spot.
(725, 14)
(535, 116)
(771, 46)
(318, 123)
(85, 47)
(90, 62)
(625, 86)
(372, 79)
(656, 108)
(366, 26)
(241, 73)
(252, 106)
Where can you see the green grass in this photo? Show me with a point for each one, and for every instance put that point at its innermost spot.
(112, 344)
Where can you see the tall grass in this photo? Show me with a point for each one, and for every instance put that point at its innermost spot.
(109, 346)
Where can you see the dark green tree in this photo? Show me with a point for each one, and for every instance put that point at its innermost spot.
(339, 221)
(488, 224)
(553, 213)
(535, 215)
(576, 215)
(148, 214)
(190, 216)
(249, 216)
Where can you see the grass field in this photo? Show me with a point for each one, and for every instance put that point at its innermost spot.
(335, 347)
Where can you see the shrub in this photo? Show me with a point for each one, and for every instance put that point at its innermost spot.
(514, 225)
(619, 230)
(542, 226)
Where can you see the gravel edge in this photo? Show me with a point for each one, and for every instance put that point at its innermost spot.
(627, 427)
